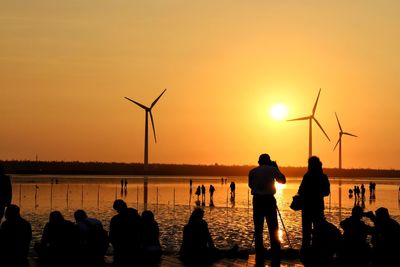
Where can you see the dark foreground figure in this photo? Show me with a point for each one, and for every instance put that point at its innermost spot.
(197, 246)
(262, 184)
(15, 238)
(312, 190)
(58, 246)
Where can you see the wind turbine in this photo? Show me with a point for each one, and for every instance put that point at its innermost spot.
(146, 130)
(340, 141)
(310, 119)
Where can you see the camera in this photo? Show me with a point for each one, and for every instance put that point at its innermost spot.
(273, 163)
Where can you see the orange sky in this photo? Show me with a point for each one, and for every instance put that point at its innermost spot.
(65, 67)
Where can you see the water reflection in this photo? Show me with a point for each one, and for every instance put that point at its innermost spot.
(230, 219)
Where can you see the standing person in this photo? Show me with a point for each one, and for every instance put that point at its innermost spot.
(362, 191)
(5, 191)
(262, 184)
(313, 188)
(212, 190)
(197, 193)
(126, 184)
(190, 183)
(233, 189)
(203, 193)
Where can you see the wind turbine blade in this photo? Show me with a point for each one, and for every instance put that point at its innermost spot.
(300, 119)
(340, 127)
(350, 134)
(137, 103)
(316, 102)
(154, 129)
(321, 128)
(155, 101)
(338, 141)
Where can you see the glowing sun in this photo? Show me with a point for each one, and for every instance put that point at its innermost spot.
(279, 111)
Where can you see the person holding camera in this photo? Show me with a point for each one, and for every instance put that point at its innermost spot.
(355, 249)
(262, 185)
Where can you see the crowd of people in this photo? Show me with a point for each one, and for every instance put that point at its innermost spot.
(135, 237)
(323, 244)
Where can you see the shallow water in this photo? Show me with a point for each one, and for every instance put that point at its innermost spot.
(171, 200)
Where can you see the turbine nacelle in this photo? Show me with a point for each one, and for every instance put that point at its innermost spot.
(312, 118)
(341, 133)
(148, 110)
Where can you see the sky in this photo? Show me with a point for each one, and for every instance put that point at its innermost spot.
(66, 66)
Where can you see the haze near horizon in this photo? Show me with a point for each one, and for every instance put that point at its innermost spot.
(66, 66)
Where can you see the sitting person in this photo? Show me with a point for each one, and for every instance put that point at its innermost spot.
(325, 244)
(197, 244)
(150, 238)
(355, 249)
(93, 239)
(385, 238)
(125, 235)
(58, 246)
(15, 238)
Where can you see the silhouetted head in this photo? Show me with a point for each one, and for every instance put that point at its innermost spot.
(119, 205)
(56, 217)
(357, 212)
(382, 214)
(197, 214)
(147, 216)
(314, 164)
(12, 212)
(80, 215)
(264, 159)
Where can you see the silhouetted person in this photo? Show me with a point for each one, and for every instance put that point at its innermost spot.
(370, 188)
(5, 191)
(150, 238)
(124, 234)
(262, 184)
(203, 193)
(350, 193)
(357, 192)
(313, 188)
(362, 191)
(15, 238)
(233, 189)
(325, 244)
(385, 238)
(93, 239)
(211, 190)
(190, 183)
(122, 184)
(198, 192)
(58, 246)
(355, 249)
(126, 184)
(197, 245)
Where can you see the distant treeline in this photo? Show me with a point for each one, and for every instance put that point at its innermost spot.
(115, 168)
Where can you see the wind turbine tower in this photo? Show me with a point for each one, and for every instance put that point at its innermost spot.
(312, 118)
(146, 128)
(146, 143)
(339, 142)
